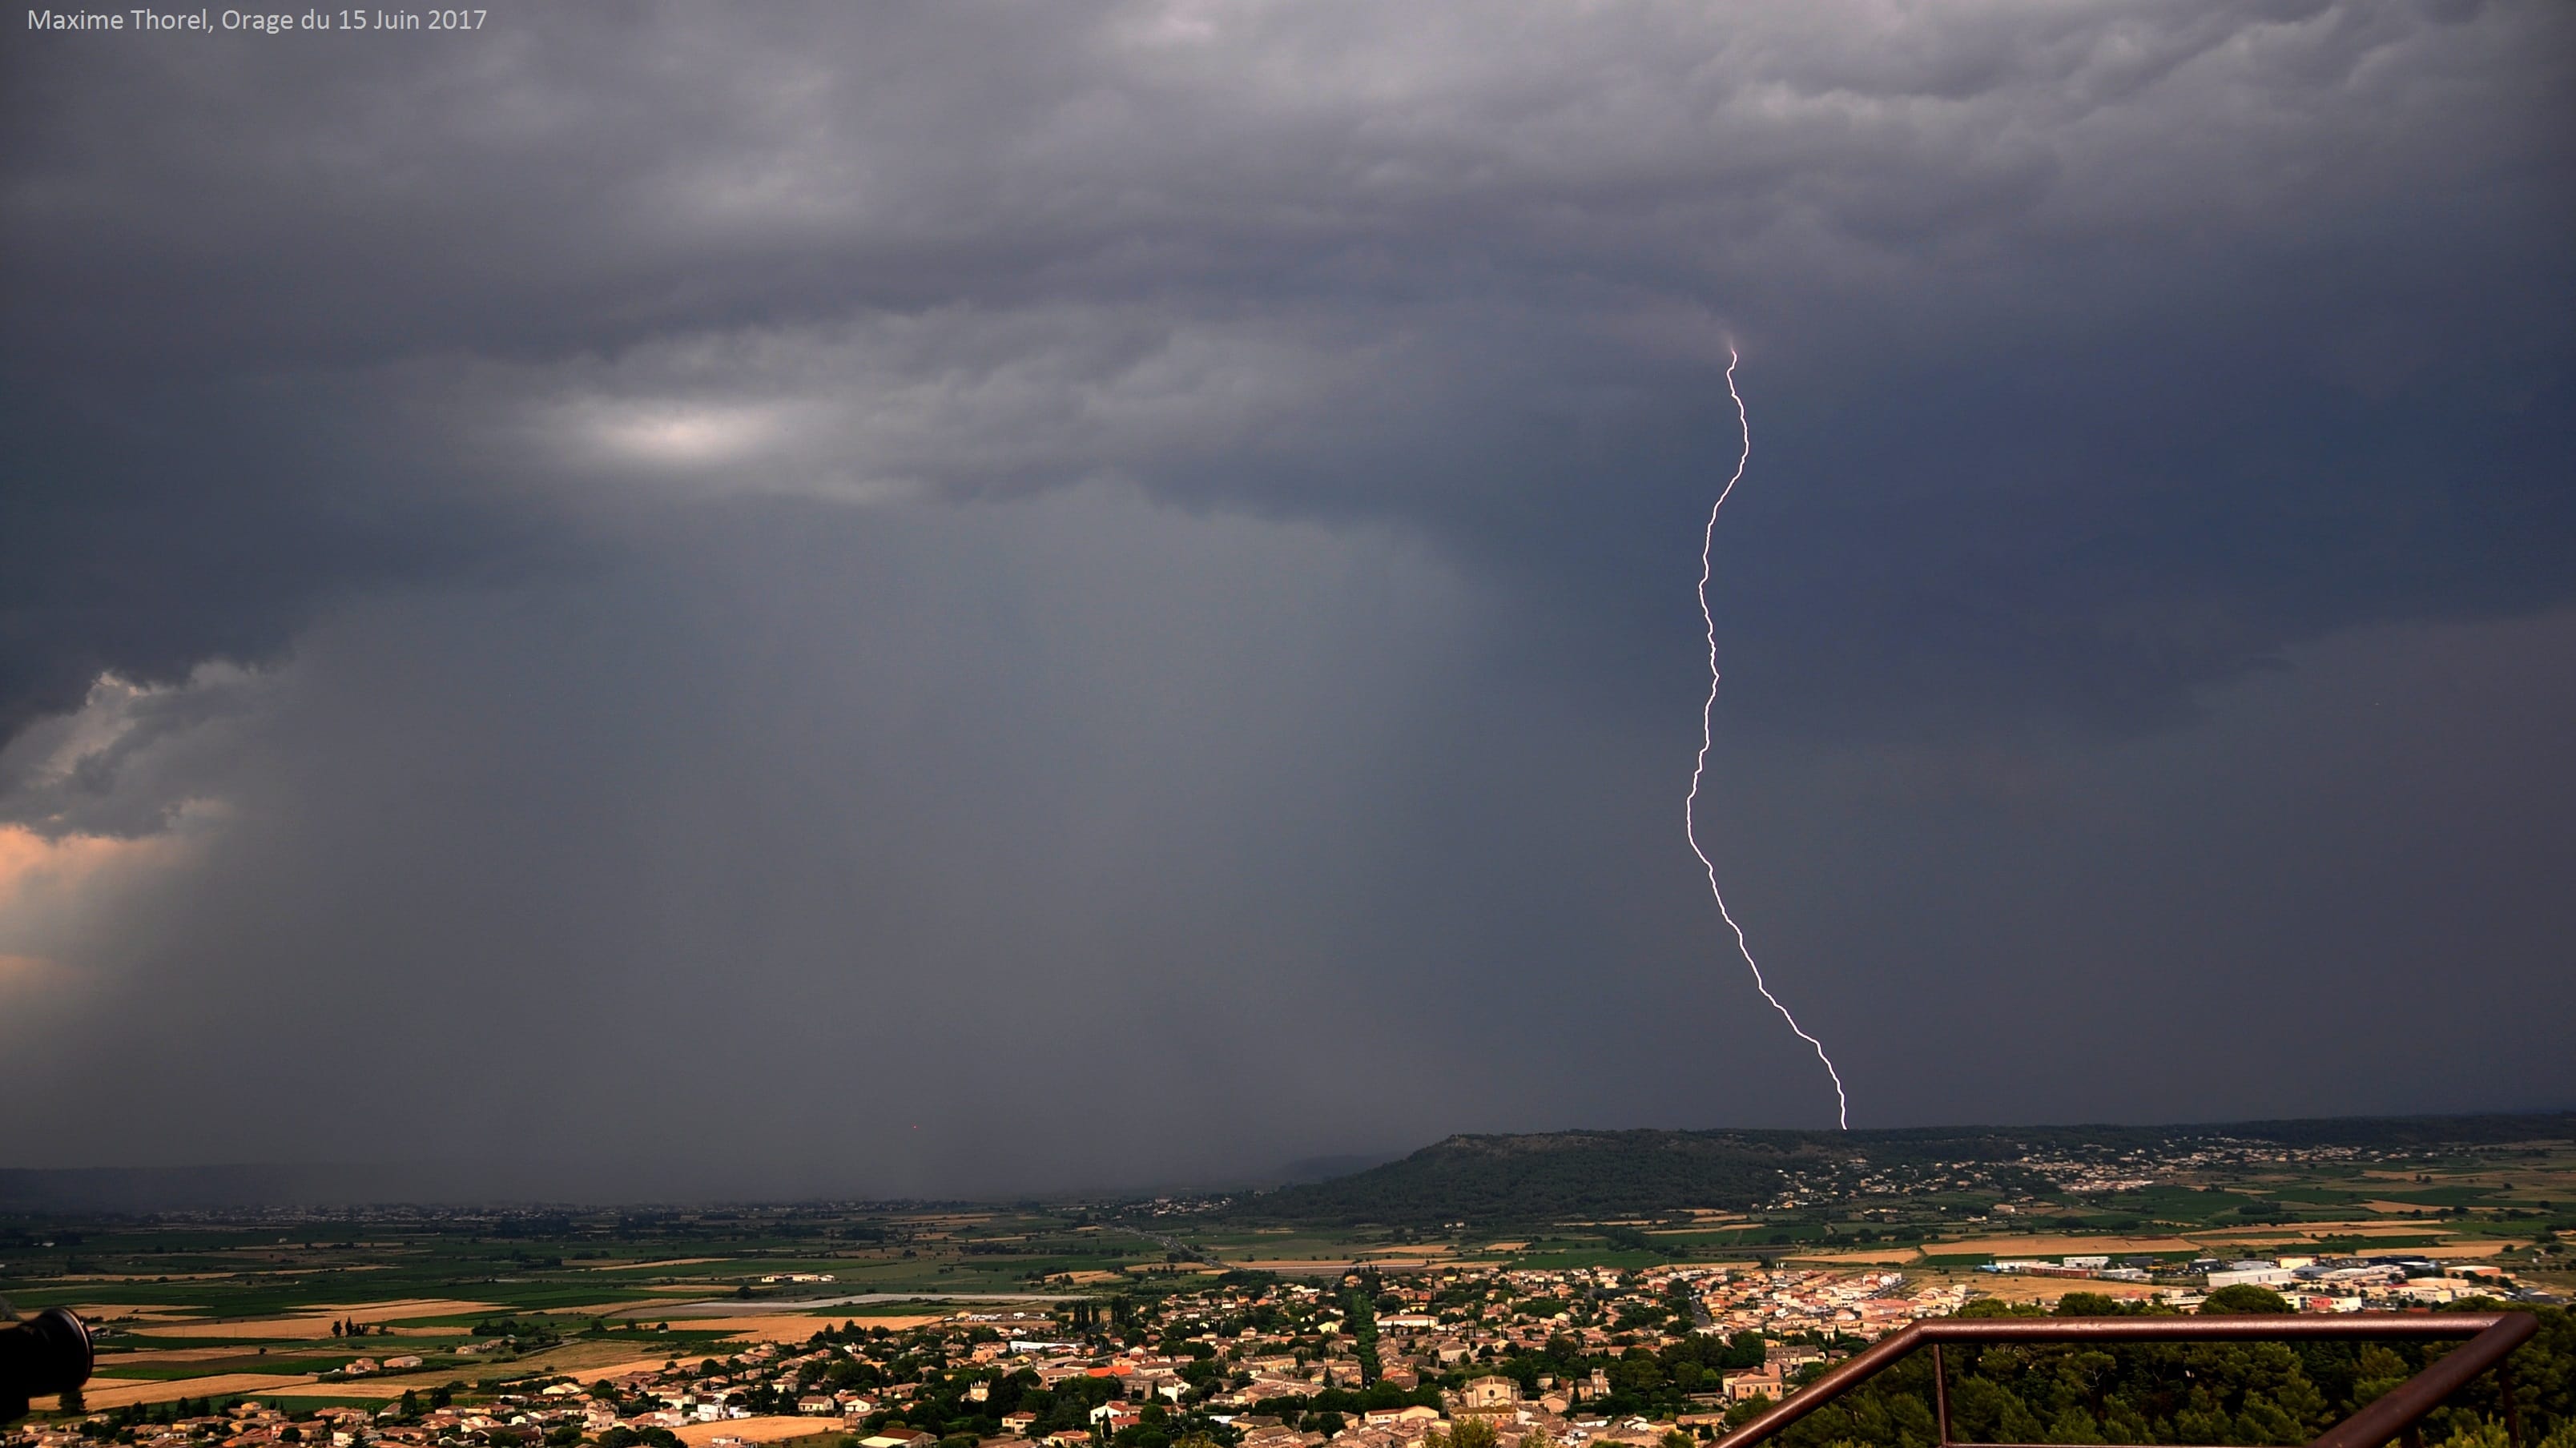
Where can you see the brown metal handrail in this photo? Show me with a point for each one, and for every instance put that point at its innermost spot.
(2491, 1335)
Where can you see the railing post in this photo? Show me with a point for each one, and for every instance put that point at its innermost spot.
(2512, 1410)
(1941, 1395)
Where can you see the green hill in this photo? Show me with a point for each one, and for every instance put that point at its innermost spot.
(1487, 1179)
(1586, 1175)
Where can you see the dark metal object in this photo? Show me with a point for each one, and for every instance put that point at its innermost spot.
(2512, 1406)
(46, 1354)
(2491, 1335)
(2401, 1407)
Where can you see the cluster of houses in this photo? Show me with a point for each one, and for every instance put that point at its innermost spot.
(1865, 1304)
(2307, 1283)
(1444, 1324)
(253, 1424)
(2350, 1284)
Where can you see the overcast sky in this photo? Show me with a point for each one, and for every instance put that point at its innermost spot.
(792, 598)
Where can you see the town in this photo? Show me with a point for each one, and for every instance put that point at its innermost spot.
(1644, 1288)
(1462, 1356)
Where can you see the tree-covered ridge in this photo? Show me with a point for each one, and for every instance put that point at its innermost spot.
(1516, 1178)
(1555, 1176)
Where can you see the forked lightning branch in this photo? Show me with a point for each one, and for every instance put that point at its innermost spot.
(1707, 710)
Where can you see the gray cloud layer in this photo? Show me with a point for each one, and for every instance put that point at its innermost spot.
(1150, 544)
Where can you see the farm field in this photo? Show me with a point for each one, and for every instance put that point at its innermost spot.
(359, 1306)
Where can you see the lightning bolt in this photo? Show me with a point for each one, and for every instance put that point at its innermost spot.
(1690, 806)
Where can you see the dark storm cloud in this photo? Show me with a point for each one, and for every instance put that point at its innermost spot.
(2142, 303)
(807, 534)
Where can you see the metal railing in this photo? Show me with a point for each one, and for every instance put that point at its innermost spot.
(2392, 1415)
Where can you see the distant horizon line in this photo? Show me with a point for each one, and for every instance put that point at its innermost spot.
(21, 1187)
